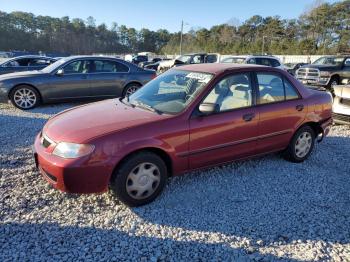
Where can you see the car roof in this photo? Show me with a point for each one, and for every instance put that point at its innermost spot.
(31, 56)
(216, 68)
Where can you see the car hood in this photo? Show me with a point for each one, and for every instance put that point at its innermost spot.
(83, 123)
(21, 74)
(321, 67)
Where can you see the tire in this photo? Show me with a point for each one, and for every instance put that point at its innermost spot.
(24, 97)
(294, 151)
(139, 179)
(334, 81)
(130, 89)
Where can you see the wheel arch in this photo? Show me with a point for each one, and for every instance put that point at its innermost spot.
(159, 152)
(25, 84)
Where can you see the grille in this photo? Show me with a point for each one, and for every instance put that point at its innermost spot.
(48, 175)
(345, 101)
(308, 73)
(340, 117)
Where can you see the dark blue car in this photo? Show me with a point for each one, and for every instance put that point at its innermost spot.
(24, 63)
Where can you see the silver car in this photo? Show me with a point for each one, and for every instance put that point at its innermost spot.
(341, 104)
(72, 78)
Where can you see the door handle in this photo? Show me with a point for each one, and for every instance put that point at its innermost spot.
(248, 117)
(299, 107)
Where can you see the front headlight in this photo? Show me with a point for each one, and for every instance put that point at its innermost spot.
(71, 150)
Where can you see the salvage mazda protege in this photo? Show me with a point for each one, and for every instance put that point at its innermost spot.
(188, 118)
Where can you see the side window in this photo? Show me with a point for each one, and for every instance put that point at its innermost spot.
(196, 59)
(232, 92)
(291, 93)
(274, 63)
(263, 61)
(77, 67)
(18, 62)
(12, 64)
(39, 62)
(251, 61)
(105, 66)
(211, 58)
(271, 88)
(121, 68)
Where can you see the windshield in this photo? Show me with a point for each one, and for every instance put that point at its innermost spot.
(234, 60)
(185, 58)
(55, 65)
(171, 92)
(329, 61)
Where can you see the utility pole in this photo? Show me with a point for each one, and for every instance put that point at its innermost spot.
(182, 30)
(263, 45)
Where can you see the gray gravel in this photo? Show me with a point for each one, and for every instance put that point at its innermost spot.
(264, 209)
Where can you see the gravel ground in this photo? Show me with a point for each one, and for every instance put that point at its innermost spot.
(263, 209)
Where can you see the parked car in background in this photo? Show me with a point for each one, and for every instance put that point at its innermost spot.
(341, 104)
(254, 59)
(72, 78)
(327, 71)
(154, 60)
(195, 58)
(190, 117)
(154, 66)
(293, 67)
(139, 59)
(25, 63)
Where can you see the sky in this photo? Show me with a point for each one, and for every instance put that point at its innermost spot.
(160, 14)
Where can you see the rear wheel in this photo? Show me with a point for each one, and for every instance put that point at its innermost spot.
(301, 145)
(130, 89)
(139, 179)
(24, 97)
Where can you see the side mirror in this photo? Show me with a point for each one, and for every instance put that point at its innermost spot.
(208, 108)
(60, 72)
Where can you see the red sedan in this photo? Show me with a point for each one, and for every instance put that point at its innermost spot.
(188, 118)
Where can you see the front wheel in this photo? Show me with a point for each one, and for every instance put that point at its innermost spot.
(301, 145)
(24, 97)
(130, 89)
(139, 179)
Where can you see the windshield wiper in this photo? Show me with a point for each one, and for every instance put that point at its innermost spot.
(146, 106)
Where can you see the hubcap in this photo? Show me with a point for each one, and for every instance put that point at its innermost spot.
(303, 144)
(131, 90)
(24, 98)
(143, 181)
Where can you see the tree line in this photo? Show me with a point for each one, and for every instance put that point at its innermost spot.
(323, 29)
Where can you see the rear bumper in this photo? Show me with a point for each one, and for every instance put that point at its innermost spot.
(71, 175)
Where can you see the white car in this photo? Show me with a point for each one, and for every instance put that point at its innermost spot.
(255, 59)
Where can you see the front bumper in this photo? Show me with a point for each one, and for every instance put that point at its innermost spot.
(3, 95)
(71, 175)
(321, 81)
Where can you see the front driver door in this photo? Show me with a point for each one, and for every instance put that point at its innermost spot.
(230, 133)
(73, 83)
